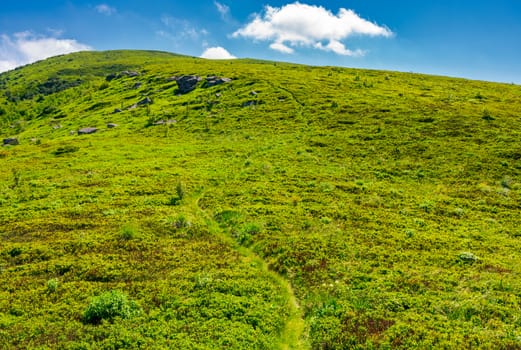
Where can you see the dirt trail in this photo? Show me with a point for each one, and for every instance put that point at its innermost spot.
(294, 335)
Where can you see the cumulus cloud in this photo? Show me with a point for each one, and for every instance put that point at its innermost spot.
(217, 53)
(301, 25)
(26, 47)
(223, 9)
(105, 9)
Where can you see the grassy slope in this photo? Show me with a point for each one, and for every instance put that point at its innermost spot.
(388, 201)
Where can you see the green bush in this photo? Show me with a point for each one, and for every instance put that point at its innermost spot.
(128, 232)
(110, 305)
(52, 285)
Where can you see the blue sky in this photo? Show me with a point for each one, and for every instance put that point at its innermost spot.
(474, 39)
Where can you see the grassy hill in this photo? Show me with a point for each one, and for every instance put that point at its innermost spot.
(292, 207)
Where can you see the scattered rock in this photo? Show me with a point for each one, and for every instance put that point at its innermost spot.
(254, 93)
(128, 73)
(111, 76)
(125, 73)
(112, 125)
(86, 131)
(56, 126)
(11, 141)
(137, 85)
(187, 83)
(117, 110)
(249, 103)
(213, 81)
(165, 122)
(146, 101)
(218, 95)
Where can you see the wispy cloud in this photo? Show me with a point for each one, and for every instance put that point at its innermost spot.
(217, 53)
(26, 47)
(105, 9)
(179, 30)
(224, 10)
(300, 25)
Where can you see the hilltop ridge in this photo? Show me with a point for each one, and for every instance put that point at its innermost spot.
(268, 205)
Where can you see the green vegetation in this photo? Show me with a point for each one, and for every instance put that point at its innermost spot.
(292, 207)
(108, 306)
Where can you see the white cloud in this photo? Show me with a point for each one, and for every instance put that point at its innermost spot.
(180, 29)
(300, 25)
(6, 65)
(278, 46)
(26, 47)
(223, 9)
(105, 9)
(217, 53)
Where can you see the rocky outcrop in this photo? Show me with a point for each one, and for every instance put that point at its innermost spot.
(86, 131)
(165, 122)
(146, 101)
(128, 73)
(187, 83)
(249, 103)
(213, 81)
(11, 141)
(125, 73)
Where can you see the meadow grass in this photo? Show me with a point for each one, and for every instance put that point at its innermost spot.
(293, 207)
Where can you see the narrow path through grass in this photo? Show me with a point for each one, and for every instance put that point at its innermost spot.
(294, 334)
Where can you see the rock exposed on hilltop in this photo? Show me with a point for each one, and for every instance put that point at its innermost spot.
(187, 83)
(165, 122)
(213, 81)
(146, 101)
(125, 73)
(128, 73)
(86, 131)
(12, 141)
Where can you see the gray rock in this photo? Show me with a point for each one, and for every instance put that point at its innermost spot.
(249, 103)
(111, 77)
(112, 125)
(11, 141)
(213, 81)
(254, 93)
(117, 110)
(146, 101)
(86, 131)
(129, 73)
(187, 83)
(137, 85)
(165, 122)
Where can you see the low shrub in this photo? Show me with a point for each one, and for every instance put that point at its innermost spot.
(110, 305)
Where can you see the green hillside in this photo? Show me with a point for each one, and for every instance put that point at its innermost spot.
(274, 206)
